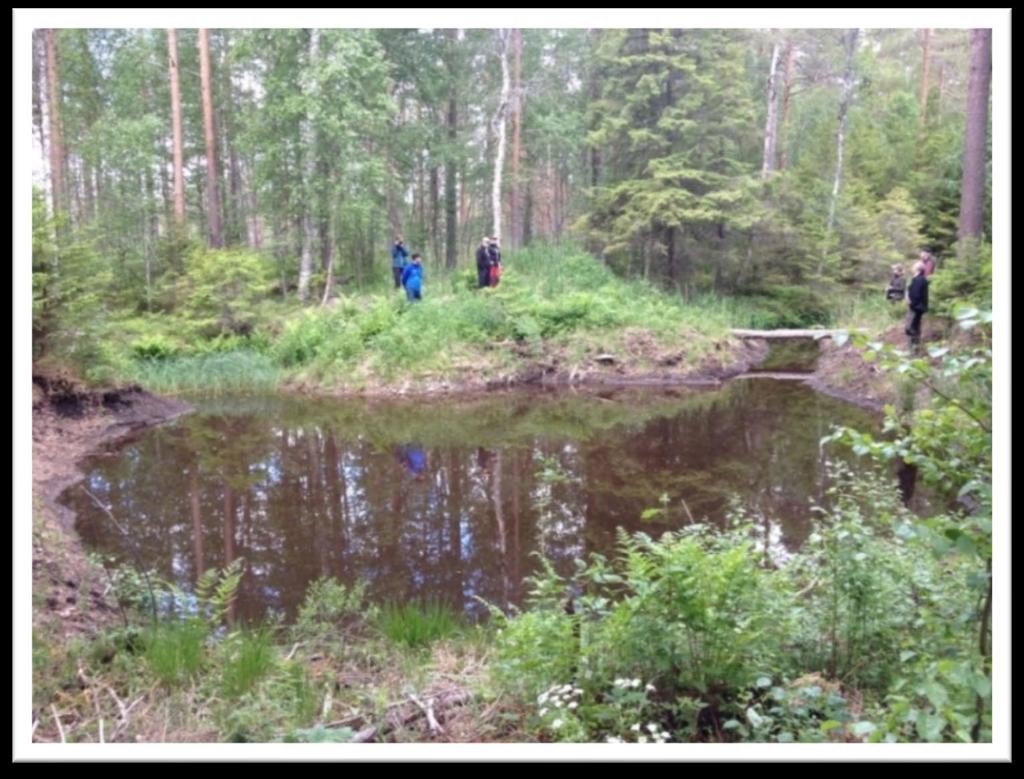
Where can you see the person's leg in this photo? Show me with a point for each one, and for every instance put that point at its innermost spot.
(397, 273)
(483, 277)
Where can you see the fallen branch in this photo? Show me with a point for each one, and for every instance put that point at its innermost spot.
(60, 728)
(428, 710)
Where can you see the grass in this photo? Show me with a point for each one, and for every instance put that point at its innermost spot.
(210, 374)
(418, 625)
(248, 656)
(175, 651)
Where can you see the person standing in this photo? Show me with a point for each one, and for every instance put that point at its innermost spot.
(495, 256)
(917, 299)
(483, 264)
(399, 254)
(897, 285)
(412, 278)
(928, 260)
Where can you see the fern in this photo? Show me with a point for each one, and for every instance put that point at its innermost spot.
(217, 589)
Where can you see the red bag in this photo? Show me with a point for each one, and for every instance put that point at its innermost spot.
(495, 275)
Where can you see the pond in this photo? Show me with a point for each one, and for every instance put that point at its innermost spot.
(450, 500)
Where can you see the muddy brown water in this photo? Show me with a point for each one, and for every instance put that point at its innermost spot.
(448, 500)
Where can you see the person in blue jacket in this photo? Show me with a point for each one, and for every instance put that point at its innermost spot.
(398, 257)
(412, 278)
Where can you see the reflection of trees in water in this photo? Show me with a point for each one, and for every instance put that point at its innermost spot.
(301, 497)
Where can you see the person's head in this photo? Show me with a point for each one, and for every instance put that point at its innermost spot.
(924, 255)
(897, 269)
(484, 241)
(918, 267)
(493, 240)
(398, 239)
(416, 258)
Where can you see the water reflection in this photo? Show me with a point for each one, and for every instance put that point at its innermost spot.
(451, 501)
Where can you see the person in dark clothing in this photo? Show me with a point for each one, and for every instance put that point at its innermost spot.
(495, 256)
(897, 285)
(398, 257)
(483, 265)
(917, 298)
(412, 279)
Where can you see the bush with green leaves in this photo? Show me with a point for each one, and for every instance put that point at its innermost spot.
(692, 614)
(329, 607)
(944, 689)
(220, 289)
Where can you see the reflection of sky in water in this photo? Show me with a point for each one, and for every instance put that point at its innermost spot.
(304, 489)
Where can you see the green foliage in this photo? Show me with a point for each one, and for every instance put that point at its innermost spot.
(175, 651)
(417, 625)
(328, 606)
(215, 373)
(945, 692)
(154, 347)
(216, 591)
(221, 288)
(964, 279)
(247, 656)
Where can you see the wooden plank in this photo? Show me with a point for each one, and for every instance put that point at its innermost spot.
(781, 334)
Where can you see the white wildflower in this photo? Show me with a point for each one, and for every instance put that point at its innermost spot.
(649, 688)
(543, 711)
(573, 705)
(641, 739)
(635, 728)
(557, 724)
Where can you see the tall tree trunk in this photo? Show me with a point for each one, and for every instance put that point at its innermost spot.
(451, 163)
(844, 107)
(435, 211)
(499, 128)
(595, 95)
(179, 170)
(517, 102)
(787, 87)
(770, 125)
(671, 255)
(56, 149)
(38, 86)
(254, 225)
(328, 239)
(213, 191)
(309, 153)
(972, 190)
(922, 111)
(233, 204)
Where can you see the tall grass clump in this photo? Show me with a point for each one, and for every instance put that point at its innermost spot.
(209, 374)
(174, 651)
(418, 624)
(247, 656)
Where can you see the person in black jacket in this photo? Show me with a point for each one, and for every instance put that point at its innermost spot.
(917, 298)
(483, 264)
